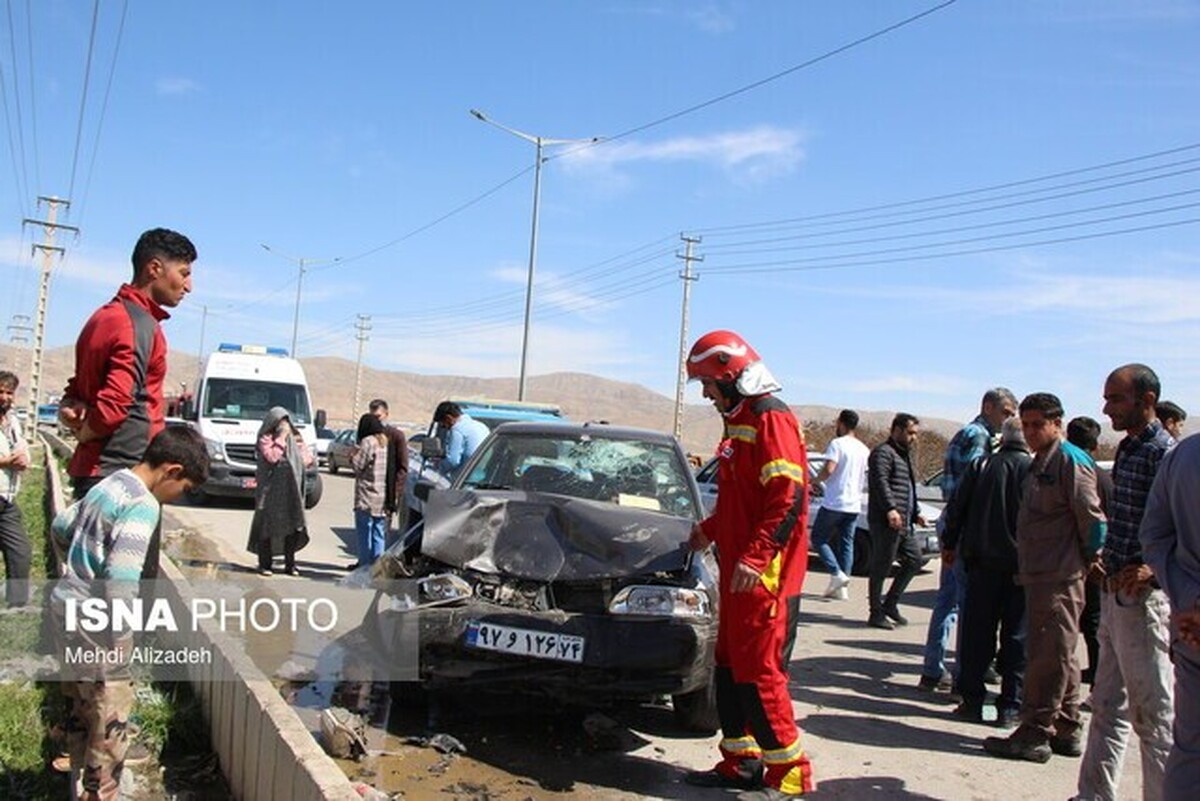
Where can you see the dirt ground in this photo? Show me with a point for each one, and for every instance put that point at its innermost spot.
(868, 730)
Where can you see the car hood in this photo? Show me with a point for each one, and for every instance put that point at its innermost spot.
(543, 537)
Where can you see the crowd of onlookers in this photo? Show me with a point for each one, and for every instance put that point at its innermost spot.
(1041, 546)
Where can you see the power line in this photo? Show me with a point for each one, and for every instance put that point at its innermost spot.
(720, 230)
(457, 209)
(37, 161)
(940, 231)
(782, 266)
(660, 121)
(762, 81)
(566, 280)
(16, 147)
(87, 76)
(87, 185)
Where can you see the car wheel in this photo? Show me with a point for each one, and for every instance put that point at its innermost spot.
(862, 553)
(697, 711)
(198, 497)
(313, 496)
(333, 468)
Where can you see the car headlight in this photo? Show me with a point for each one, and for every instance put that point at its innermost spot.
(216, 451)
(661, 601)
(443, 588)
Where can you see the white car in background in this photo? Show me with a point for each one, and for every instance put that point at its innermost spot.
(927, 537)
(321, 446)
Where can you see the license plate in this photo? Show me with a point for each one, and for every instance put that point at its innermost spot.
(249, 483)
(525, 642)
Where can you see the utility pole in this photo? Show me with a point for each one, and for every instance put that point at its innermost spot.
(363, 326)
(20, 329)
(47, 248)
(688, 278)
(200, 352)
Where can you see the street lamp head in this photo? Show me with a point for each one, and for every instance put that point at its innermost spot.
(477, 114)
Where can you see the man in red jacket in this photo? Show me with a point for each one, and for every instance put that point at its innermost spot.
(114, 401)
(760, 532)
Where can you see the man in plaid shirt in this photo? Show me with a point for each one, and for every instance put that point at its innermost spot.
(1134, 685)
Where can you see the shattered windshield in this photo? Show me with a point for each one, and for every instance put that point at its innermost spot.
(644, 475)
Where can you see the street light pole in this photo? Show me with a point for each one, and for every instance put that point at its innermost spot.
(533, 238)
(296, 314)
(539, 142)
(300, 262)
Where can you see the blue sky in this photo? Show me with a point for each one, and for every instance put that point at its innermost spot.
(341, 131)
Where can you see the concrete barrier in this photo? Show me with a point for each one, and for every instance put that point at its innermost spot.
(266, 752)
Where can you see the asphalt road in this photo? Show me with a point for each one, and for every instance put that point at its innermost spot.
(869, 732)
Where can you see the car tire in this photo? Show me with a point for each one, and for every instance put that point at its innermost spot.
(198, 497)
(313, 496)
(697, 711)
(862, 553)
(333, 468)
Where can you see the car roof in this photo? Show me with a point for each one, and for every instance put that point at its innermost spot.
(604, 430)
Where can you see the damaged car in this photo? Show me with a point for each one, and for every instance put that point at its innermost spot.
(556, 564)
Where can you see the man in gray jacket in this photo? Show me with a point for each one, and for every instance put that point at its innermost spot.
(1170, 537)
(891, 513)
(1060, 530)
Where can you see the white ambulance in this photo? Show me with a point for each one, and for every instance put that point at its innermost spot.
(237, 386)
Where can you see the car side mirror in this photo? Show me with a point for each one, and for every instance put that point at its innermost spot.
(321, 419)
(422, 490)
(431, 448)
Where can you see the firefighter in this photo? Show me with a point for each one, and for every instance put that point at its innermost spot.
(760, 532)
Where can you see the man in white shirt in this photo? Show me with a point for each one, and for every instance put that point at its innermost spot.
(14, 458)
(843, 475)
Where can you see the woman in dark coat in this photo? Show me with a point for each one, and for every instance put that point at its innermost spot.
(278, 526)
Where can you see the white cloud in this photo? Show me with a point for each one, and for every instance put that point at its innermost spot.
(496, 352)
(711, 19)
(755, 153)
(707, 17)
(550, 291)
(176, 86)
(1138, 299)
(922, 384)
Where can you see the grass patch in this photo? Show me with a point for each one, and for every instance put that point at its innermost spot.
(27, 709)
(20, 713)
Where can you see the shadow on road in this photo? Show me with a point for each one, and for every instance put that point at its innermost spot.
(869, 787)
(879, 732)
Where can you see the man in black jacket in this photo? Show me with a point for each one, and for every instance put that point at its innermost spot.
(981, 523)
(891, 513)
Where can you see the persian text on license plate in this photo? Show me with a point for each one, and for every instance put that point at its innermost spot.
(525, 642)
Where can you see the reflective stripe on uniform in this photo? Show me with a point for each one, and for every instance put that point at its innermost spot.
(743, 433)
(798, 780)
(770, 576)
(741, 747)
(781, 467)
(781, 756)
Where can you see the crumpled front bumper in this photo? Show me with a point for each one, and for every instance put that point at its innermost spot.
(623, 657)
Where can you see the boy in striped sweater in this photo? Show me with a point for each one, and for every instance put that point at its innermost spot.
(102, 543)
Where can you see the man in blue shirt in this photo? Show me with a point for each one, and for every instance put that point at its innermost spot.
(463, 433)
(972, 441)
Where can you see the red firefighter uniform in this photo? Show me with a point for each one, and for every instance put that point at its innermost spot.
(760, 519)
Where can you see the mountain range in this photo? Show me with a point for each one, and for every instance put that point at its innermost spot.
(412, 397)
